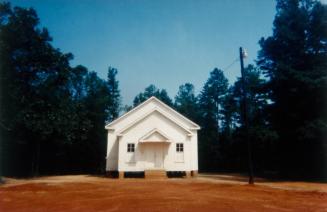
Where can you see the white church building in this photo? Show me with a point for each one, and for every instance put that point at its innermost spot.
(152, 137)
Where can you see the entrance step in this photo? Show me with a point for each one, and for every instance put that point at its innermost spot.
(155, 174)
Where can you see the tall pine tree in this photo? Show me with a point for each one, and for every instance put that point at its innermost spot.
(114, 94)
(210, 103)
(295, 60)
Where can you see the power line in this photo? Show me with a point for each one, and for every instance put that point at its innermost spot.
(230, 65)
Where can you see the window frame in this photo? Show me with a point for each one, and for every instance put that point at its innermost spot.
(179, 147)
(130, 147)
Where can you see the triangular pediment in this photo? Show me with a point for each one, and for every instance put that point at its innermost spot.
(155, 135)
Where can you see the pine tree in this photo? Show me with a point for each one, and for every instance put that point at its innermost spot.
(210, 102)
(114, 94)
(294, 59)
(212, 96)
(150, 91)
(186, 101)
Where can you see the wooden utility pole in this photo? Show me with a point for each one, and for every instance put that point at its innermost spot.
(245, 118)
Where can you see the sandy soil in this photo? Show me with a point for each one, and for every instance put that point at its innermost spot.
(205, 193)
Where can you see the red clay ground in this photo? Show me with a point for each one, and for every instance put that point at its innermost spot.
(205, 193)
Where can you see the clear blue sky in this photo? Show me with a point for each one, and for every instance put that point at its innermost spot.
(161, 42)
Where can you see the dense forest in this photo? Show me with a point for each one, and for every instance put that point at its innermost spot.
(52, 115)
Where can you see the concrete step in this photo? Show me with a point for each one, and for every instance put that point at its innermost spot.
(155, 174)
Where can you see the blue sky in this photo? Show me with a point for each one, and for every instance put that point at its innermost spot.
(161, 42)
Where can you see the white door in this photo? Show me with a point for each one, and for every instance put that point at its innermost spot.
(154, 156)
(158, 156)
(150, 156)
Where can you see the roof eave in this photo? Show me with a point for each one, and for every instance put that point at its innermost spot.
(195, 128)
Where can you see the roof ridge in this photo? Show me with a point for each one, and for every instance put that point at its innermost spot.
(196, 126)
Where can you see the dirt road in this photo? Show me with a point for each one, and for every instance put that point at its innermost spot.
(205, 193)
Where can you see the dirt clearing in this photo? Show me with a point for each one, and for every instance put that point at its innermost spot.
(205, 193)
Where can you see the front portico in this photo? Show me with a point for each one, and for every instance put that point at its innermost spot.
(154, 149)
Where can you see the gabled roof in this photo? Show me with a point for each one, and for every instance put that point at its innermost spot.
(195, 126)
(153, 134)
(154, 110)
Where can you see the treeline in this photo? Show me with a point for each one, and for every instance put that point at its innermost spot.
(53, 115)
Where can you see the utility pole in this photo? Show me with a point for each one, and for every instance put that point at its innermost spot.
(245, 117)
